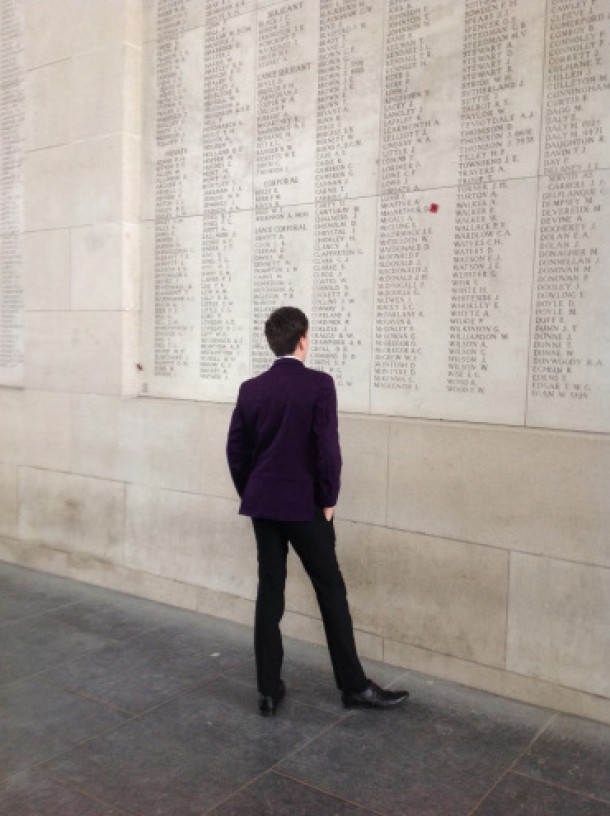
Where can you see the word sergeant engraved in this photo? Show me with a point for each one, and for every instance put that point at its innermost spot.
(11, 190)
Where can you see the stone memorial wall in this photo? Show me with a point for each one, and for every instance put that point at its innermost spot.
(427, 179)
(11, 191)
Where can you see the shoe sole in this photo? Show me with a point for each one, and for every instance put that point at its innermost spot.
(391, 704)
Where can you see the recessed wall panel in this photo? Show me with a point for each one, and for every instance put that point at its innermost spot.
(427, 180)
(12, 146)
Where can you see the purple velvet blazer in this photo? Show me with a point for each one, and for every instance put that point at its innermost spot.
(283, 445)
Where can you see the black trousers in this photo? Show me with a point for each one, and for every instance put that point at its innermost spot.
(314, 543)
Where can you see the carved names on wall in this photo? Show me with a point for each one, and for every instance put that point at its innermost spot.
(11, 191)
(428, 180)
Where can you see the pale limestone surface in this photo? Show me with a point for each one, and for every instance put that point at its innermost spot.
(46, 270)
(149, 442)
(73, 28)
(47, 424)
(78, 352)
(96, 181)
(48, 103)
(11, 426)
(72, 512)
(98, 267)
(446, 596)
(559, 623)
(194, 539)
(8, 500)
(160, 444)
(532, 491)
(215, 476)
(364, 449)
(47, 188)
(98, 100)
(96, 422)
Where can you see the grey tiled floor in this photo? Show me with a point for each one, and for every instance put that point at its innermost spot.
(115, 706)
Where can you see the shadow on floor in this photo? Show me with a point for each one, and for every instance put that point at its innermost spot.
(113, 705)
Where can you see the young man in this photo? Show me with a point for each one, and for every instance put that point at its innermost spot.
(284, 457)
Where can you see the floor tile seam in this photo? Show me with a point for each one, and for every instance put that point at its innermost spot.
(512, 765)
(297, 749)
(53, 666)
(120, 810)
(43, 763)
(565, 788)
(38, 675)
(37, 614)
(235, 792)
(85, 696)
(77, 629)
(327, 792)
(129, 720)
(112, 643)
(183, 692)
(146, 630)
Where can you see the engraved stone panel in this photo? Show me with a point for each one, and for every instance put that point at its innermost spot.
(12, 145)
(427, 179)
(569, 372)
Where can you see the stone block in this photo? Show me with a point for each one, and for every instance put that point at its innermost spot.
(131, 265)
(226, 606)
(132, 90)
(99, 81)
(71, 512)
(68, 30)
(131, 375)
(497, 681)
(542, 492)
(11, 426)
(46, 270)
(364, 446)
(33, 556)
(48, 188)
(97, 267)
(46, 438)
(160, 443)
(196, 539)
(131, 178)
(95, 436)
(84, 567)
(215, 476)
(134, 21)
(151, 442)
(95, 179)
(49, 37)
(107, 24)
(559, 622)
(445, 596)
(8, 500)
(48, 105)
(77, 352)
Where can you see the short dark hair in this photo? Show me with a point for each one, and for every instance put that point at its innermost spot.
(284, 328)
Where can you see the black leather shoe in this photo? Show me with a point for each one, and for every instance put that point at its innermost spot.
(268, 703)
(373, 697)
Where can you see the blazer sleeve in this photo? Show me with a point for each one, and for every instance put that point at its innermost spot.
(239, 453)
(327, 449)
